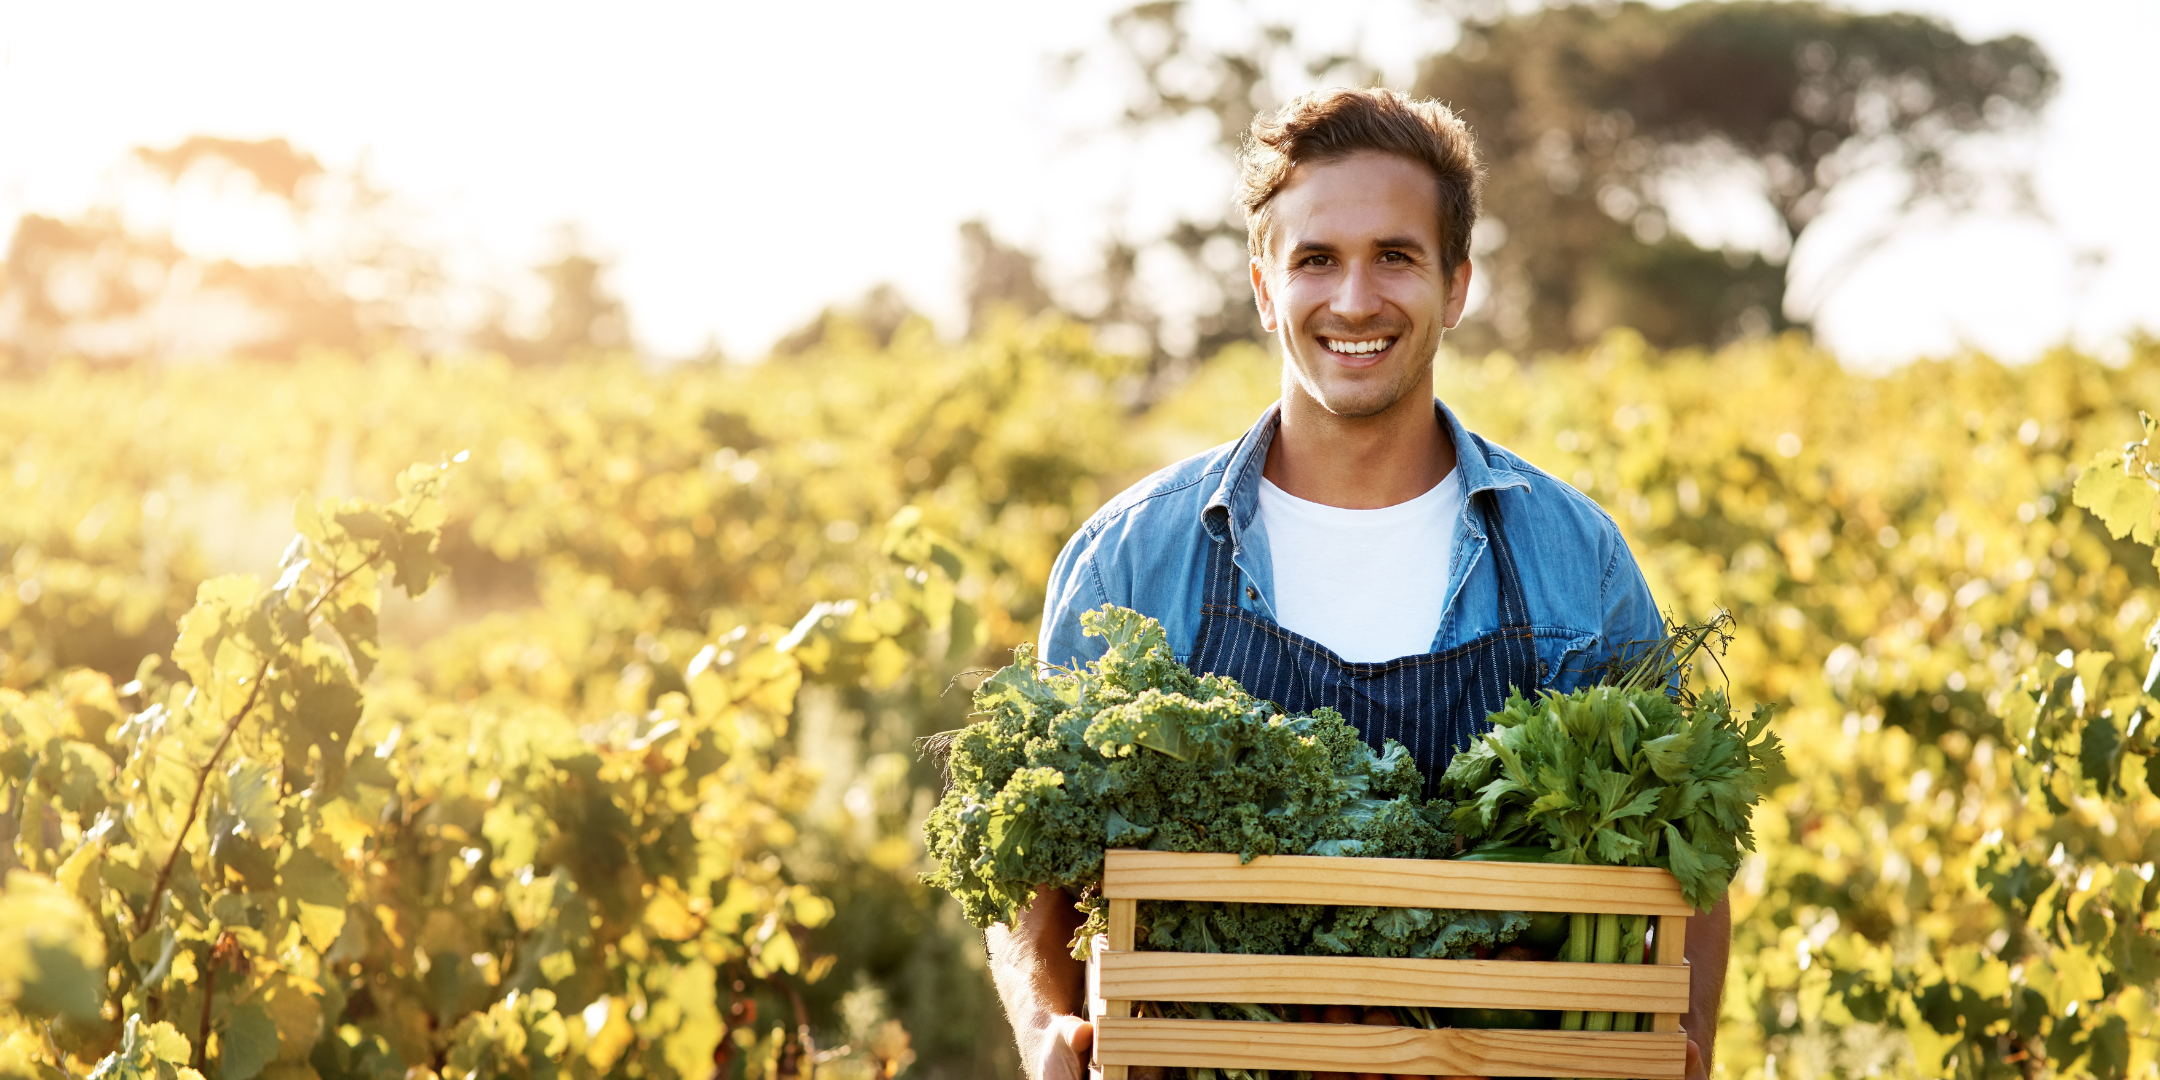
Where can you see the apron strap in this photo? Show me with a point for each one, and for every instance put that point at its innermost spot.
(1514, 609)
(1220, 591)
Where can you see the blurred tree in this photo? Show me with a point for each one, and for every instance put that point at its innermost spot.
(276, 166)
(997, 275)
(1230, 81)
(86, 287)
(108, 289)
(1593, 117)
(878, 313)
(584, 317)
(582, 312)
(1588, 115)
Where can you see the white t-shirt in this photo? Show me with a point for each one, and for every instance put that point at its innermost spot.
(1370, 585)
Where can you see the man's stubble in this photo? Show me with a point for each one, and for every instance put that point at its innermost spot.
(1361, 400)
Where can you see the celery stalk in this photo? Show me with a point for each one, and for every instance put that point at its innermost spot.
(1606, 950)
(1581, 928)
(1636, 930)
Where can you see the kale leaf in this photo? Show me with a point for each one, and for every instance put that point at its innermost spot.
(1136, 751)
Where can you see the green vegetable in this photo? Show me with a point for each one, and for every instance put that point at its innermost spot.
(1136, 751)
(1634, 774)
(1582, 931)
(1634, 934)
(1532, 853)
(1548, 930)
(1637, 773)
(1604, 949)
(1495, 1018)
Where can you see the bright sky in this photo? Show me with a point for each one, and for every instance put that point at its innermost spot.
(746, 164)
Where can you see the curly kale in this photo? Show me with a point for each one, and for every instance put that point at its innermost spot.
(1137, 751)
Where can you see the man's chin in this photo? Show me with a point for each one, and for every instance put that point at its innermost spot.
(1357, 394)
(1359, 402)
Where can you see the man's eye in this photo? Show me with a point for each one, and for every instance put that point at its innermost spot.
(1314, 260)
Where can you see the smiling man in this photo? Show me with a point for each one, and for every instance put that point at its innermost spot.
(1358, 548)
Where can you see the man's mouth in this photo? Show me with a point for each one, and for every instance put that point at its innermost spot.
(1358, 348)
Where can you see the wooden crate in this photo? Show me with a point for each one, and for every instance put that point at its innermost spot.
(1118, 976)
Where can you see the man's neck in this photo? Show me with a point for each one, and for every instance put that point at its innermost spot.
(1360, 462)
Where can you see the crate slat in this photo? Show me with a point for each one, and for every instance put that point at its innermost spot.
(1360, 980)
(1439, 883)
(1371, 1048)
(1122, 916)
(1671, 950)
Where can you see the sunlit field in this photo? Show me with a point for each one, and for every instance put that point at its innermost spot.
(654, 724)
(487, 556)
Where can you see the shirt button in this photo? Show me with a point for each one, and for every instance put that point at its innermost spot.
(1251, 593)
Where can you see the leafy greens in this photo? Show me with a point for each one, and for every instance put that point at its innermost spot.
(1136, 751)
(1641, 773)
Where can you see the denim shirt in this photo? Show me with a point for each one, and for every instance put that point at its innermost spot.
(1147, 550)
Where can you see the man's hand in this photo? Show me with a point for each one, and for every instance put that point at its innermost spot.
(1043, 987)
(1065, 1046)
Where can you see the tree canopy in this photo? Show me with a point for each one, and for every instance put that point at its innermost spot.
(1599, 122)
(108, 289)
(1591, 117)
(1587, 114)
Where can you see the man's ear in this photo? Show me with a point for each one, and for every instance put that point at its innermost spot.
(1262, 299)
(1458, 295)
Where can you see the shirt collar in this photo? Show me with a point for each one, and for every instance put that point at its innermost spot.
(1237, 498)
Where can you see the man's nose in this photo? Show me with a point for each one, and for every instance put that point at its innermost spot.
(1356, 298)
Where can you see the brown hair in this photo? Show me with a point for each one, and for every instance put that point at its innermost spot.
(1328, 125)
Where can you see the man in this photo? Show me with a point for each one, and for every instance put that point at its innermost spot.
(1358, 548)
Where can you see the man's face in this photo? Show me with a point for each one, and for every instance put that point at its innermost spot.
(1352, 282)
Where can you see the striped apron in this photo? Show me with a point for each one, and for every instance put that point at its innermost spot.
(1433, 704)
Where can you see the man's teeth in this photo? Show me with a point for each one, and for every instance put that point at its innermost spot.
(1358, 348)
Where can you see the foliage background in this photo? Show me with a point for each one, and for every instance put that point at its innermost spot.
(1901, 551)
(633, 789)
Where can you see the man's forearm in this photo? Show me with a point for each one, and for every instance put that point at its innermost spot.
(1709, 944)
(1037, 978)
